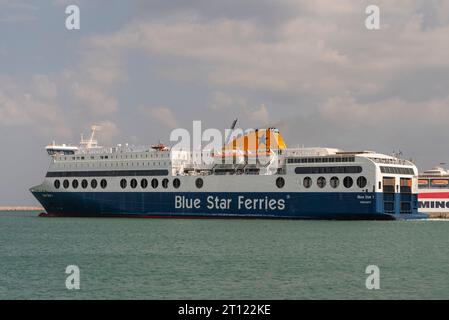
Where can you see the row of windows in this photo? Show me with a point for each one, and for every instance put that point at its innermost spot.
(136, 156)
(123, 183)
(112, 164)
(321, 182)
(396, 170)
(433, 183)
(154, 183)
(322, 170)
(237, 171)
(334, 182)
(321, 160)
(114, 173)
(280, 183)
(84, 184)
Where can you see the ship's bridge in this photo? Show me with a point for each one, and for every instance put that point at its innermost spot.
(63, 149)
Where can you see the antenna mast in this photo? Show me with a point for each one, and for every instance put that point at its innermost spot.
(234, 123)
(91, 143)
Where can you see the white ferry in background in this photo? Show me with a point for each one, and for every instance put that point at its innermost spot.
(254, 176)
(434, 192)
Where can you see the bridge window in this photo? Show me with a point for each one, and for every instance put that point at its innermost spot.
(307, 182)
(321, 182)
(334, 182)
(123, 183)
(348, 182)
(397, 170)
(361, 182)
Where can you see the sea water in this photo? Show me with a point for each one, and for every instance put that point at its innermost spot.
(221, 259)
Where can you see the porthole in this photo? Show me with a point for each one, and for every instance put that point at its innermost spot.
(57, 184)
(103, 183)
(307, 183)
(144, 183)
(154, 183)
(93, 184)
(123, 183)
(348, 182)
(280, 182)
(199, 183)
(75, 184)
(361, 182)
(133, 183)
(165, 183)
(321, 182)
(176, 183)
(66, 184)
(334, 182)
(84, 184)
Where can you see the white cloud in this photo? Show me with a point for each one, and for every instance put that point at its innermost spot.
(17, 11)
(97, 102)
(108, 131)
(320, 52)
(28, 104)
(323, 53)
(227, 103)
(160, 115)
(391, 113)
(44, 87)
(92, 83)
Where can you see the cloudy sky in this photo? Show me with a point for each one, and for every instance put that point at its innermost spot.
(144, 67)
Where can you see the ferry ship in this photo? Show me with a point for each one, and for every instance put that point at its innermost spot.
(255, 175)
(433, 195)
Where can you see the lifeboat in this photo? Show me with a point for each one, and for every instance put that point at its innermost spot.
(159, 147)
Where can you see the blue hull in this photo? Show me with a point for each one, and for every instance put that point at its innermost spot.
(341, 206)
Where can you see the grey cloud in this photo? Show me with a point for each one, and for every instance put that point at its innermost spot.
(308, 67)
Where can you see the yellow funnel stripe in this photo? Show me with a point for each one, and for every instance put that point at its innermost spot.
(257, 140)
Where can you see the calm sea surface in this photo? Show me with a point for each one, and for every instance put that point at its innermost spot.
(221, 259)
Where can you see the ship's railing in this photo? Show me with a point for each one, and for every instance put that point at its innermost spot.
(392, 161)
(309, 152)
(110, 150)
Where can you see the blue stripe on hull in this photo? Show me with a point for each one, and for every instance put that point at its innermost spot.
(230, 205)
